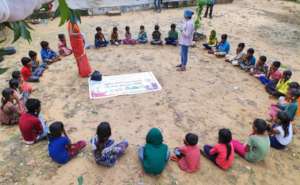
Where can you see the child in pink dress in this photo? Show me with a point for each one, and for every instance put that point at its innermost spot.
(188, 156)
(128, 39)
(63, 49)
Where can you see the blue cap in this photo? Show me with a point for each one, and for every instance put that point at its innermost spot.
(188, 13)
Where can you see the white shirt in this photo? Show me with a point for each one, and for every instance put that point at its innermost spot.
(280, 137)
(187, 33)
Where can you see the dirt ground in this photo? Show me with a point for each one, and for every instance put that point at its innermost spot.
(210, 95)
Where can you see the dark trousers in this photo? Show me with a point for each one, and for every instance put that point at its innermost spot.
(157, 5)
(206, 153)
(210, 9)
(271, 89)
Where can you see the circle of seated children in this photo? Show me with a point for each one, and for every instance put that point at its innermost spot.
(18, 108)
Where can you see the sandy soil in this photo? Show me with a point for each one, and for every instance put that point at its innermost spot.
(211, 95)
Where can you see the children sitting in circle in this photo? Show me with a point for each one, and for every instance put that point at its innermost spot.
(154, 155)
(48, 55)
(11, 107)
(156, 36)
(60, 148)
(172, 38)
(142, 37)
(115, 37)
(37, 69)
(32, 125)
(222, 154)
(128, 38)
(258, 143)
(63, 49)
(234, 59)
(105, 150)
(248, 61)
(188, 156)
(26, 71)
(100, 40)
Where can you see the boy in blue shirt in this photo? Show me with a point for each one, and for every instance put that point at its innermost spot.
(48, 55)
(223, 47)
(248, 61)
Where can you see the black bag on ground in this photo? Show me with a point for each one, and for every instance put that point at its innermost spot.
(96, 76)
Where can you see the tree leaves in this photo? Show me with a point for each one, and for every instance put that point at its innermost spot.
(64, 11)
(20, 29)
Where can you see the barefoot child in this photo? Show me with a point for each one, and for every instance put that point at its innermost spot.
(60, 148)
(100, 40)
(188, 156)
(258, 144)
(11, 107)
(63, 49)
(142, 37)
(128, 38)
(222, 154)
(115, 37)
(48, 55)
(281, 132)
(105, 150)
(37, 69)
(154, 155)
(156, 36)
(172, 38)
(234, 60)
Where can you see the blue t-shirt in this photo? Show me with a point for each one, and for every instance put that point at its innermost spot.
(47, 54)
(223, 47)
(57, 149)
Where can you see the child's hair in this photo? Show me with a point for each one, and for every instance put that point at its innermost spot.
(224, 36)
(25, 61)
(284, 121)
(294, 85)
(14, 83)
(260, 126)
(241, 45)
(225, 138)
(263, 58)
(16, 75)
(127, 28)
(276, 64)
(103, 133)
(295, 93)
(44, 44)
(156, 27)
(61, 36)
(56, 129)
(98, 29)
(33, 105)
(6, 93)
(173, 26)
(250, 51)
(115, 29)
(287, 74)
(32, 54)
(142, 27)
(191, 139)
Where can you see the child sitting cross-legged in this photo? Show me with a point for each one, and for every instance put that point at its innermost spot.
(48, 55)
(37, 69)
(172, 38)
(60, 148)
(234, 59)
(26, 71)
(258, 143)
(222, 154)
(32, 125)
(156, 36)
(100, 40)
(115, 37)
(128, 38)
(281, 132)
(222, 48)
(212, 41)
(248, 61)
(281, 88)
(188, 156)
(260, 68)
(154, 155)
(142, 37)
(105, 150)
(273, 75)
(63, 49)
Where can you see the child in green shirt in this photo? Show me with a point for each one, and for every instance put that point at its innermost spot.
(172, 38)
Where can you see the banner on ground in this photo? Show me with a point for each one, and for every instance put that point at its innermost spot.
(126, 84)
